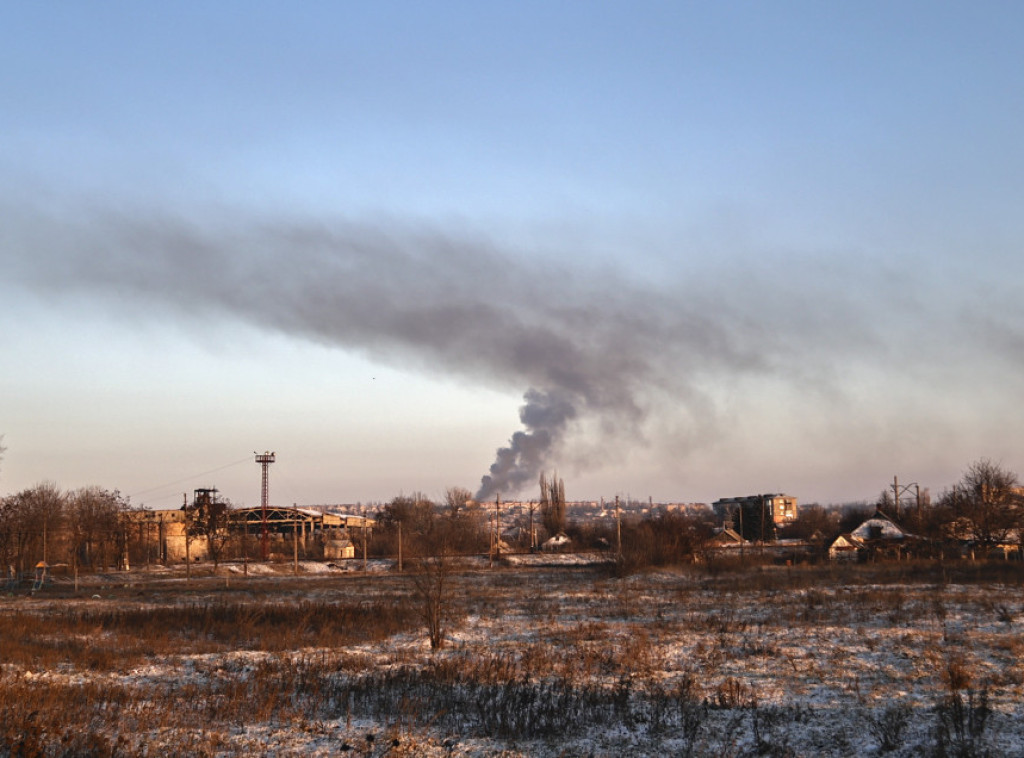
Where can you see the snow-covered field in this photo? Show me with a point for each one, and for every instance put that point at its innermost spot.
(541, 660)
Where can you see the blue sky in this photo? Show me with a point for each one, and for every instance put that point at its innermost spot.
(712, 248)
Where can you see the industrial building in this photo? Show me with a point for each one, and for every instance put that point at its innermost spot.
(168, 536)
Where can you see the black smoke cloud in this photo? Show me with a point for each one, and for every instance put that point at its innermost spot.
(545, 416)
(590, 348)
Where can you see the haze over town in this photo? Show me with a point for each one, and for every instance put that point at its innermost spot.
(683, 252)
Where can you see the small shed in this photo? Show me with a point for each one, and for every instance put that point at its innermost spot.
(560, 541)
(845, 547)
(725, 538)
(338, 547)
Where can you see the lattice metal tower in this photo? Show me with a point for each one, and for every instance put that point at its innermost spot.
(265, 459)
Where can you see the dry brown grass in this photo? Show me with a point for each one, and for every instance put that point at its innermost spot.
(710, 664)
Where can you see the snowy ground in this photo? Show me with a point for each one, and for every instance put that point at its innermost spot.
(548, 660)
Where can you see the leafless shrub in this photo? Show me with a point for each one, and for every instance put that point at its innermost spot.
(692, 717)
(815, 603)
(955, 673)
(725, 621)
(756, 647)
(960, 730)
(1004, 613)
(677, 709)
(896, 612)
(432, 586)
(770, 735)
(732, 693)
(938, 608)
(889, 725)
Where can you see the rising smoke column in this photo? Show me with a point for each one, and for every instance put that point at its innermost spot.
(545, 416)
(614, 358)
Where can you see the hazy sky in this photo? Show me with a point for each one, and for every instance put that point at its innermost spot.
(670, 249)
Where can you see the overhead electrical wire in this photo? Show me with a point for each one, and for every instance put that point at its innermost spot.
(190, 478)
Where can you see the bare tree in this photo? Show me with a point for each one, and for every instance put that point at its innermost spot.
(414, 515)
(431, 585)
(664, 539)
(457, 500)
(815, 524)
(95, 526)
(30, 525)
(987, 504)
(552, 504)
(8, 532)
(430, 539)
(464, 524)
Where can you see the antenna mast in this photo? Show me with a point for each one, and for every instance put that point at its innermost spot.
(265, 459)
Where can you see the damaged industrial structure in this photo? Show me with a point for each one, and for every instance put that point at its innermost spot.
(201, 531)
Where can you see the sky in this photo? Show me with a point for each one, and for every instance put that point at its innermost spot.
(668, 250)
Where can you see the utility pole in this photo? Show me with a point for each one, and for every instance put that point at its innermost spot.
(245, 545)
(618, 529)
(161, 537)
(898, 492)
(265, 459)
(295, 535)
(762, 523)
(743, 537)
(497, 524)
(188, 540)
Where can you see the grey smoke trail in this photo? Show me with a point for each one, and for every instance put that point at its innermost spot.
(545, 416)
(592, 348)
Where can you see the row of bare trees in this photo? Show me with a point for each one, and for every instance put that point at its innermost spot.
(416, 525)
(983, 510)
(460, 525)
(982, 514)
(86, 527)
(987, 503)
(80, 528)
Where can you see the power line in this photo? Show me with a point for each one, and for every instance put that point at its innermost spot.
(190, 478)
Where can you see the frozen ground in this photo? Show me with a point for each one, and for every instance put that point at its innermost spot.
(548, 660)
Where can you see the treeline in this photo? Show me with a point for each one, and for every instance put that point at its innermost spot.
(980, 516)
(460, 525)
(89, 528)
(83, 528)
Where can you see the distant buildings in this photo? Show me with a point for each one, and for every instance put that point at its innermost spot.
(780, 508)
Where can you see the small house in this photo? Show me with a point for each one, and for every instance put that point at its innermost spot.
(878, 535)
(845, 547)
(560, 541)
(725, 538)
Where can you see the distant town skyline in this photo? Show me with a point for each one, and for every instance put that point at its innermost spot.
(669, 250)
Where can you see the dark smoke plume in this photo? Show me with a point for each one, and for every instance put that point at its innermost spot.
(596, 352)
(545, 417)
